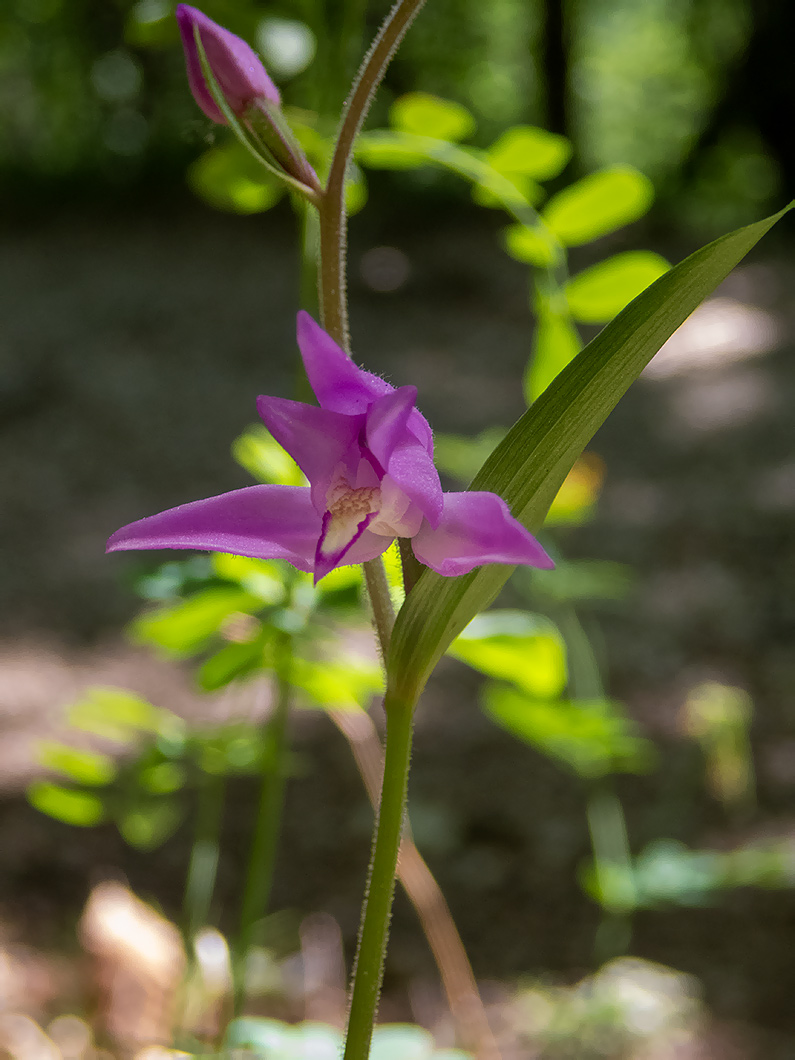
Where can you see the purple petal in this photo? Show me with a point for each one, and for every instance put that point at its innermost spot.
(268, 522)
(238, 70)
(476, 528)
(317, 439)
(340, 385)
(401, 454)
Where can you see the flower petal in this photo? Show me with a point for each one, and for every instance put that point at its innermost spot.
(476, 528)
(268, 522)
(342, 386)
(317, 439)
(237, 68)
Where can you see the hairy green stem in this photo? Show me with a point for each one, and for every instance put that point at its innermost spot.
(381, 888)
(332, 205)
(381, 601)
(262, 858)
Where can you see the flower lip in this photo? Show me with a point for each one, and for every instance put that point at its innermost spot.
(236, 67)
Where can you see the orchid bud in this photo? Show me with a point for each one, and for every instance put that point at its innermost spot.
(236, 67)
(247, 89)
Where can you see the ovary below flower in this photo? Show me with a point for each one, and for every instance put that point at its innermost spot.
(368, 455)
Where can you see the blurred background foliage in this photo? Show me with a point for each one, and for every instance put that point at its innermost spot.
(93, 98)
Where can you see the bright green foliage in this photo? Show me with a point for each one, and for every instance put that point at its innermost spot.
(342, 682)
(529, 465)
(386, 150)
(228, 178)
(424, 115)
(532, 246)
(83, 767)
(116, 714)
(597, 294)
(69, 805)
(461, 457)
(556, 342)
(518, 646)
(149, 824)
(591, 737)
(274, 1040)
(184, 628)
(529, 150)
(598, 204)
(265, 460)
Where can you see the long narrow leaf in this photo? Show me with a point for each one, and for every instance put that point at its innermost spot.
(529, 465)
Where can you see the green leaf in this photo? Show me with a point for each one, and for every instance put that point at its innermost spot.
(484, 195)
(462, 457)
(424, 115)
(265, 460)
(529, 150)
(264, 578)
(68, 805)
(120, 715)
(529, 465)
(556, 342)
(401, 1041)
(355, 189)
(516, 646)
(231, 662)
(596, 294)
(83, 767)
(184, 628)
(384, 150)
(591, 737)
(529, 245)
(149, 825)
(345, 683)
(229, 179)
(598, 204)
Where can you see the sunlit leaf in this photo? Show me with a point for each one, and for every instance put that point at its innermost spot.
(517, 646)
(264, 458)
(68, 805)
(425, 115)
(528, 467)
(184, 628)
(355, 189)
(163, 778)
(591, 737)
(384, 150)
(228, 178)
(231, 662)
(462, 457)
(556, 342)
(576, 498)
(83, 767)
(118, 714)
(598, 204)
(596, 294)
(264, 578)
(401, 1041)
(150, 824)
(530, 150)
(344, 683)
(529, 245)
(484, 194)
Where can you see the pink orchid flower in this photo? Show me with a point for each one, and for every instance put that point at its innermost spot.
(368, 455)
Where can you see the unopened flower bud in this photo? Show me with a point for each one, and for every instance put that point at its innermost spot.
(247, 89)
(236, 67)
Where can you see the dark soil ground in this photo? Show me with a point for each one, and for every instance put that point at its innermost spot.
(133, 349)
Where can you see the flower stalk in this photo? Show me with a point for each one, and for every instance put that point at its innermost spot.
(369, 970)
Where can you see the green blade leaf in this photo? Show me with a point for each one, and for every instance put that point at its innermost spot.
(80, 808)
(596, 294)
(529, 465)
(598, 204)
